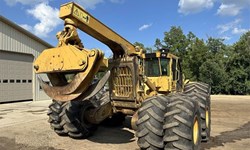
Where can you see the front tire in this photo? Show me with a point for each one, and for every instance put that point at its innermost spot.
(150, 123)
(182, 126)
(75, 122)
(67, 118)
(55, 109)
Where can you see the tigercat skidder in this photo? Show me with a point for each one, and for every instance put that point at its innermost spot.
(166, 111)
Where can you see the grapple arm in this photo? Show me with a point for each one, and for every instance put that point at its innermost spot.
(70, 67)
(80, 18)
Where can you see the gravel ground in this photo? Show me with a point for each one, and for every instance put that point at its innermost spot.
(23, 126)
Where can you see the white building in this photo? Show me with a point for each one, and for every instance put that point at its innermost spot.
(18, 49)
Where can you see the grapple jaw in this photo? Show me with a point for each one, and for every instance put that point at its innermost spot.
(92, 90)
(70, 70)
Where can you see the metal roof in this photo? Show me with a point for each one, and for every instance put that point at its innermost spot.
(22, 30)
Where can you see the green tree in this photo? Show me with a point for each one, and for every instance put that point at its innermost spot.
(158, 45)
(140, 45)
(191, 37)
(216, 45)
(213, 71)
(147, 49)
(197, 54)
(213, 74)
(176, 41)
(238, 67)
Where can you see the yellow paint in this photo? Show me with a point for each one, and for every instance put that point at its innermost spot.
(65, 10)
(72, 9)
(79, 14)
(195, 131)
(64, 58)
(186, 82)
(207, 118)
(162, 83)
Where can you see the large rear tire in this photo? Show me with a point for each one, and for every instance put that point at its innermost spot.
(182, 124)
(201, 92)
(67, 118)
(150, 123)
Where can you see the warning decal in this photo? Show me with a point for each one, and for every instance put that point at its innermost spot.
(81, 15)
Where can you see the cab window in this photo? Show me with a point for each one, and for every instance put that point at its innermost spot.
(152, 68)
(164, 66)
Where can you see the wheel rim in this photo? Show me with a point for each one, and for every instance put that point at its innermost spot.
(195, 131)
(207, 117)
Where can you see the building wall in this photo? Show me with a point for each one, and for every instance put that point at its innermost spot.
(15, 39)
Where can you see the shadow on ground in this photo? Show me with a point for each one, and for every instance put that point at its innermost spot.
(10, 144)
(112, 135)
(228, 137)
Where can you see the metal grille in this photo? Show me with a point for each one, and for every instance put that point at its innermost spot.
(123, 82)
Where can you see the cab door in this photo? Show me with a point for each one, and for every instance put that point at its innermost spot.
(179, 83)
(176, 75)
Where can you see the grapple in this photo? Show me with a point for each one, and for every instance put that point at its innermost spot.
(70, 69)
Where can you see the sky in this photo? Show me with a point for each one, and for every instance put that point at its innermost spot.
(136, 20)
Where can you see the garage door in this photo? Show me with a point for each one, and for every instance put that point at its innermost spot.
(15, 76)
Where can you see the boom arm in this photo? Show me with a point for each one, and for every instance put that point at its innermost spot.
(69, 66)
(90, 25)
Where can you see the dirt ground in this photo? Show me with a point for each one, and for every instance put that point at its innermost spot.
(23, 126)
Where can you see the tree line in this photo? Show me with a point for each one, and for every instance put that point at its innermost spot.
(225, 67)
